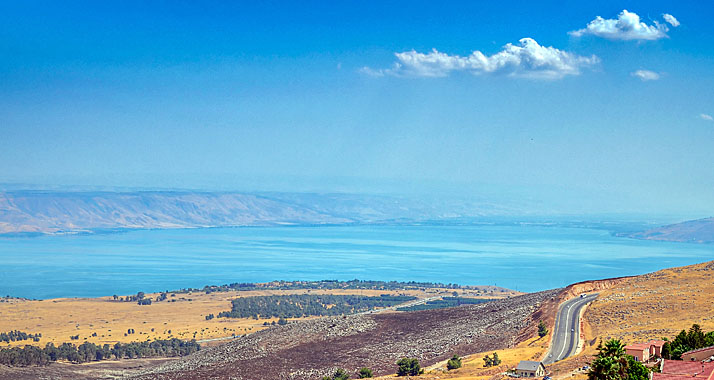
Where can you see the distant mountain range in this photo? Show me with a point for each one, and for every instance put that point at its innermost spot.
(48, 212)
(693, 231)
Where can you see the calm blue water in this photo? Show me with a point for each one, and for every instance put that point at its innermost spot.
(527, 258)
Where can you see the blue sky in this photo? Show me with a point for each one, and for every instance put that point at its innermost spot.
(348, 96)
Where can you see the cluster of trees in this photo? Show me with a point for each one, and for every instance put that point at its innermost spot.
(87, 352)
(685, 341)
(323, 284)
(17, 335)
(141, 299)
(281, 321)
(542, 329)
(491, 361)
(303, 305)
(453, 363)
(444, 302)
(613, 363)
(341, 374)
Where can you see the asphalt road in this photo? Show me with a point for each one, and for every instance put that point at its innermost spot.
(567, 329)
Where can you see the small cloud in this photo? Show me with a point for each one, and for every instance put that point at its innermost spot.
(645, 75)
(706, 117)
(528, 59)
(627, 26)
(670, 19)
(372, 72)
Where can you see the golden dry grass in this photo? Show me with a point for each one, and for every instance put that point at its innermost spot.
(640, 308)
(58, 319)
(655, 305)
(473, 365)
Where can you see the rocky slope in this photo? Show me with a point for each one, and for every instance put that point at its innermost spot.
(312, 349)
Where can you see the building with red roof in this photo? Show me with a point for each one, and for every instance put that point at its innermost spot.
(699, 355)
(643, 352)
(684, 370)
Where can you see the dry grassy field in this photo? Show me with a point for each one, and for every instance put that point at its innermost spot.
(58, 319)
(651, 306)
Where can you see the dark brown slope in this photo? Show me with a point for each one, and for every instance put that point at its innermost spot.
(312, 349)
(693, 231)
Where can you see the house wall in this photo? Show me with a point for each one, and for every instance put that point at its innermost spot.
(699, 356)
(639, 354)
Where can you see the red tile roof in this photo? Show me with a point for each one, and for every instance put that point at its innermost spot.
(680, 367)
(699, 350)
(666, 376)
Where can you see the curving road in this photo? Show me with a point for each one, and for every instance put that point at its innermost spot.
(567, 329)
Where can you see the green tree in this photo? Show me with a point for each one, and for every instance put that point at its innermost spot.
(636, 370)
(542, 329)
(282, 321)
(454, 362)
(496, 360)
(695, 337)
(409, 366)
(487, 361)
(610, 362)
(365, 373)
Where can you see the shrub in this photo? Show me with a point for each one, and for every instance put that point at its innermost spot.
(542, 329)
(409, 367)
(340, 374)
(365, 373)
(454, 363)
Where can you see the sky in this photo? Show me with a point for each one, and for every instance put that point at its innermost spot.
(608, 104)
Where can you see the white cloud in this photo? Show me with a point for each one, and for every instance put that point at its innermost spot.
(706, 117)
(645, 75)
(627, 26)
(527, 59)
(670, 19)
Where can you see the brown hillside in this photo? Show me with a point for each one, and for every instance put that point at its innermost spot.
(312, 349)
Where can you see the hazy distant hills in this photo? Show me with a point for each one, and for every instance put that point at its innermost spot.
(695, 231)
(56, 212)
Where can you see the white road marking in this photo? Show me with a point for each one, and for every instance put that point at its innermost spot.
(567, 318)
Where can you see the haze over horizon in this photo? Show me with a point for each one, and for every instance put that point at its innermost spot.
(512, 101)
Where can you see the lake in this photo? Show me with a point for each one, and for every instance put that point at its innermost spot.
(521, 257)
